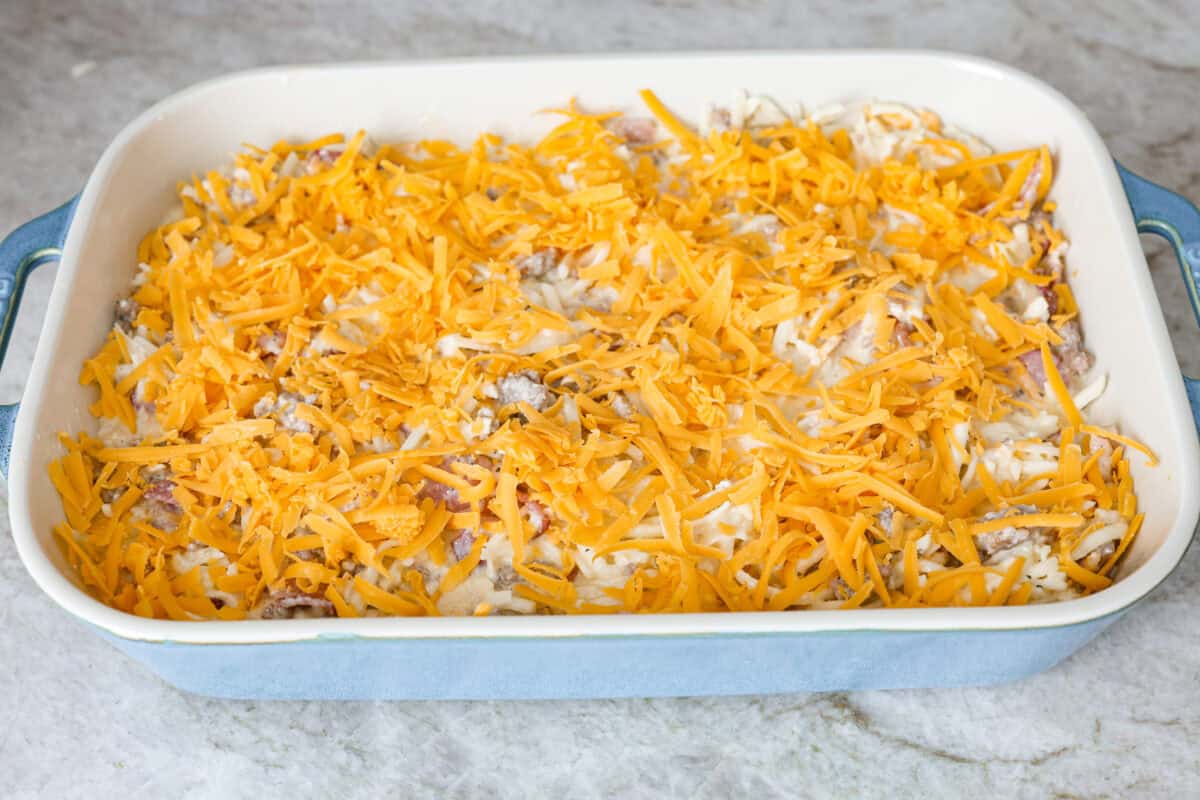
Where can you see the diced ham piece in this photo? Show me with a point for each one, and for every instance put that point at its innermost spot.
(1051, 298)
(158, 503)
(163, 491)
(461, 545)
(1072, 360)
(445, 495)
(885, 518)
(537, 513)
(321, 158)
(1027, 194)
(988, 544)
(1029, 189)
(506, 576)
(635, 130)
(291, 602)
(1038, 222)
(482, 461)
(885, 570)
(1051, 262)
(1033, 364)
(719, 119)
(535, 265)
(126, 314)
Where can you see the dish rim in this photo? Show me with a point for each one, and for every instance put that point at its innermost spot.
(1114, 599)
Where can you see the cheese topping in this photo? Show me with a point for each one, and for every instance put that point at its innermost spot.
(825, 360)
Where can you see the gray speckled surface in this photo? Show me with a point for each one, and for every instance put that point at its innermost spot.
(1120, 719)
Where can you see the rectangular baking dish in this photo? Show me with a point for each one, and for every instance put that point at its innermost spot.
(620, 655)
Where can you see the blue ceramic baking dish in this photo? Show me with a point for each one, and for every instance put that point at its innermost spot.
(1101, 207)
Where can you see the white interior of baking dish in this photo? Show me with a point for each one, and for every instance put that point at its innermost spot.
(134, 183)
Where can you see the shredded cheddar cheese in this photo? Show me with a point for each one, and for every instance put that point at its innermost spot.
(636, 366)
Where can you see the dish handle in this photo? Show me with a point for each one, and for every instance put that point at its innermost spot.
(21, 252)
(1160, 211)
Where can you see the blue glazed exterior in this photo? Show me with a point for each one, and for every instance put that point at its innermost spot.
(21, 252)
(349, 667)
(610, 666)
(1164, 213)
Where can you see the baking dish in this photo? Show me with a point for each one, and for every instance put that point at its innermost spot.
(620, 655)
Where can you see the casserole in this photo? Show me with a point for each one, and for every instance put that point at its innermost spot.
(619, 655)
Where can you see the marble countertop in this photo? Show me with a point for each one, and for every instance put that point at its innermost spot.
(1119, 719)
